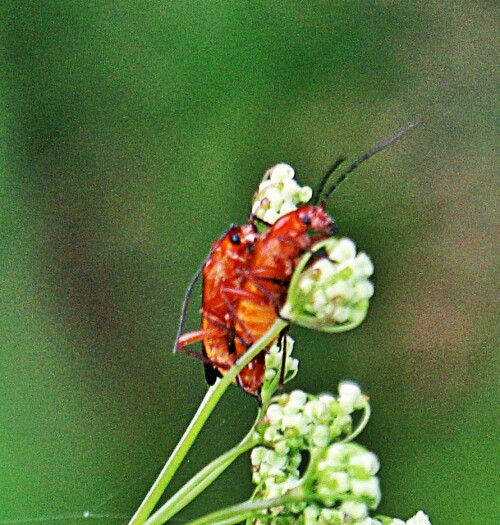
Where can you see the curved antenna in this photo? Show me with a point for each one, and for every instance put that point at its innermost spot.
(191, 286)
(368, 155)
(317, 192)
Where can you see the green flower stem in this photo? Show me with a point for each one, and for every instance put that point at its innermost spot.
(202, 480)
(238, 513)
(206, 407)
(362, 424)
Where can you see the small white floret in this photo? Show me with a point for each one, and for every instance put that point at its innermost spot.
(296, 401)
(256, 206)
(274, 414)
(344, 250)
(305, 194)
(342, 313)
(356, 316)
(290, 189)
(306, 284)
(286, 208)
(420, 518)
(316, 409)
(368, 461)
(365, 264)
(320, 436)
(325, 269)
(342, 289)
(310, 514)
(350, 396)
(281, 172)
(257, 455)
(319, 300)
(363, 290)
(341, 480)
(367, 487)
(336, 453)
(270, 216)
(354, 509)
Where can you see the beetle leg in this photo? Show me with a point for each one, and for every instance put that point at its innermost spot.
(189, 338)
(216, 321)
(300, 243)
(271, 298)
(282, 345)
(260, 274)
(234, 314)
(240, 293)
(202, 358)
(196, 336)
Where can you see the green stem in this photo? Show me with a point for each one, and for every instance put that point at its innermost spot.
(362, 424)
(209, 402)
(238, 513)
(201, 481)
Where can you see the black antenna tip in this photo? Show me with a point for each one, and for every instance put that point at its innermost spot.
(413, 124)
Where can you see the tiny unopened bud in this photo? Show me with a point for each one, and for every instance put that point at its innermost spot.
(420, 518)
(367, 463)
(367, 487)
(354, 509)
(350, 396)
(281, 172)
(342, 251)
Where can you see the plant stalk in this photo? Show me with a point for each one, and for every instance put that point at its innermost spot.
(206, 407)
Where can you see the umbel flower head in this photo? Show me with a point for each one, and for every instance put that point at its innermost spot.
(279, 194)
(330, 290)
(338, 486)
(337, 472)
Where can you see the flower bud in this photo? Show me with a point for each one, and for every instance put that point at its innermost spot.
(367, 487)
(350, 396)
(354, 509)
(419, 519)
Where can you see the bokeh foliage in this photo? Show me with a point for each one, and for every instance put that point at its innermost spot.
(132, 133)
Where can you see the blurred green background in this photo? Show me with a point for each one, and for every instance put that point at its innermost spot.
(133, 133)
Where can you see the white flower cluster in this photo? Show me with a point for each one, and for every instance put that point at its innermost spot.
(344, 487)
(339, 485)
(331, 293)
(279, 194)
(301, 421)
(316, 515)
(294, 423)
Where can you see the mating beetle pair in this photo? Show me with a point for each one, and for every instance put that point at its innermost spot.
(246, 277)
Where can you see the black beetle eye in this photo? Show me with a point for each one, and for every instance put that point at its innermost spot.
(306, 220)
(235, 238)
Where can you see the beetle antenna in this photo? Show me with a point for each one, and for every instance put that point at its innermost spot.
(191, 286)
(317, 193)
(368, 155)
